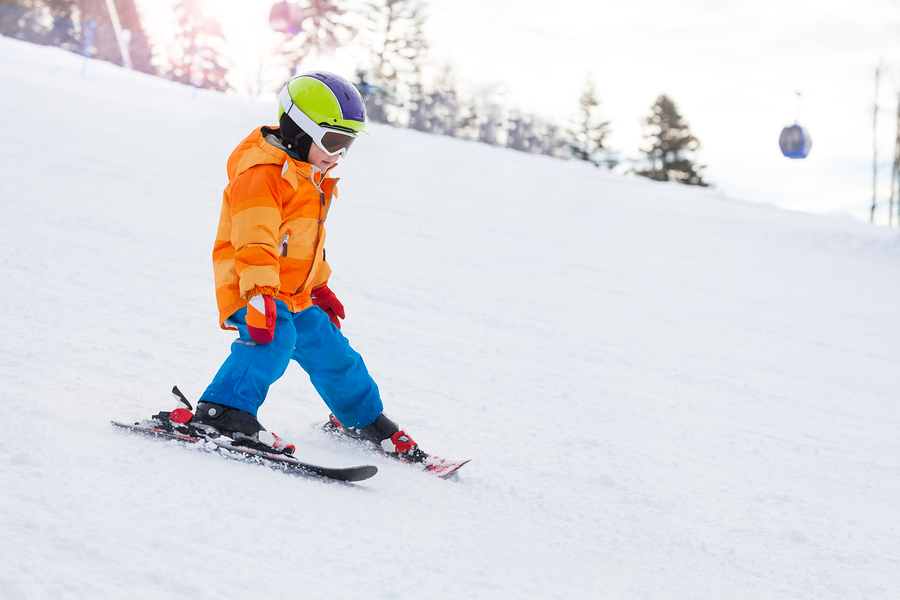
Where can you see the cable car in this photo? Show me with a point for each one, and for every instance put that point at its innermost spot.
(286, 18)
(795, 141)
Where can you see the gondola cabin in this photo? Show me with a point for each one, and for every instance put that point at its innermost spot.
(795, 142)
(286, 18)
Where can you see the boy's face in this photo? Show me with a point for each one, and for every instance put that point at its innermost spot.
(319, 159)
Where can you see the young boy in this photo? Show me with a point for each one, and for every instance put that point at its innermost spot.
(272, 277)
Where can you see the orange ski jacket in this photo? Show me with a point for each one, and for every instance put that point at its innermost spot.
(271, 236)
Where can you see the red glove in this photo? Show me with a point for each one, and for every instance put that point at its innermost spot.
(261, 317)
(325, 299)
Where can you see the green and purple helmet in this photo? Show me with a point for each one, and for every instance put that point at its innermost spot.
(324, 106)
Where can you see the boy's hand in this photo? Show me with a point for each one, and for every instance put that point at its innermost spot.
(261, 316)
(325, 299)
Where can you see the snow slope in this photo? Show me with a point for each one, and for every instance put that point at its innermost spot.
(665, 393)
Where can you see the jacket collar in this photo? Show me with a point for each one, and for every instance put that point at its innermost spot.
(256, 150)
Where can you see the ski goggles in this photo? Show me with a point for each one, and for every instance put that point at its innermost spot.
(329, 141)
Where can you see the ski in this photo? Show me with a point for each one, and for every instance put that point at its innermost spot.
(441, 467)
(435, 465)
(275, 453)
(229, 449)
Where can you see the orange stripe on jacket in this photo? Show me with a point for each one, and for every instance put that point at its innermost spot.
(270, 197)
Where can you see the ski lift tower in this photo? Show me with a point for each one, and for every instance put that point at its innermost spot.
(120, 34)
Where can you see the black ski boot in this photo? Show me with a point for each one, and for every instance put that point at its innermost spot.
(385, 435)
(242, 427)
(218, 419)
(214, 420)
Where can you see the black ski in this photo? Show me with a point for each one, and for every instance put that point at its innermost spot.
(175, 425)
(229, 449)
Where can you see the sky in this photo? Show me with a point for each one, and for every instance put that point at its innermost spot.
(734, 69)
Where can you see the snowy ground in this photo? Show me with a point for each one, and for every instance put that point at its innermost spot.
(665, 393)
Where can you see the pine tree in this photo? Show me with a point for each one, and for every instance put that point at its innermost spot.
(490, 121)
(589, 132)
(196, 54)
(671, 145)
(398, 46)
(519, 133)
(446, 112)
(26, 5)
(468, 126)
(420, 113)
(436, 108)
(549, 142)
(69, 20)
(62, 32)
(323, 29)
(139, 46)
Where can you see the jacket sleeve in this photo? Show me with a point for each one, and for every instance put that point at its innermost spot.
(255, 221)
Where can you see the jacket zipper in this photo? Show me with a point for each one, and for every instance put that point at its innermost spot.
(321, 221)
(322, 205)
(284, 241)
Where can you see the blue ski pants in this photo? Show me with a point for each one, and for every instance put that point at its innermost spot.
(335, 369)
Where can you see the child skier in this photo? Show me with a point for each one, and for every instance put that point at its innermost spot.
(272, 278)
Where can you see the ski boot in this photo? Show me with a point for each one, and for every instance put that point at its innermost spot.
(214, 420)
(242, 427)
(385, 436)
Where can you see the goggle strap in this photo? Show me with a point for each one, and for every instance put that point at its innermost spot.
(315, 131)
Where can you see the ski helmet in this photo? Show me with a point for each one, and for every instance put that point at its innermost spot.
(324, 106)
